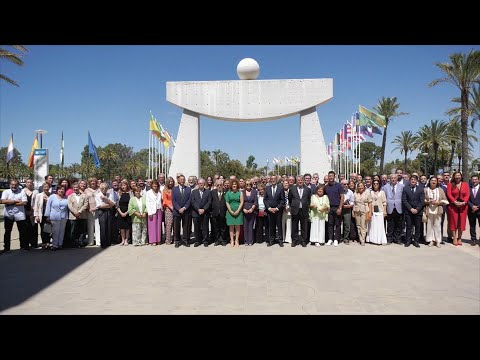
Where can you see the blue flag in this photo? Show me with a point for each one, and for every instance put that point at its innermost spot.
(92, 150)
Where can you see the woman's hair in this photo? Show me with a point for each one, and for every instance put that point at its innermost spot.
(321, 186)
(453, 176)
(234, 181)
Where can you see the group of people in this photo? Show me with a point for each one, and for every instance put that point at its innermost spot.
(297, 210)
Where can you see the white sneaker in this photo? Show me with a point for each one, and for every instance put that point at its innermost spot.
(329, 242)
(335, 243)
(317, 244)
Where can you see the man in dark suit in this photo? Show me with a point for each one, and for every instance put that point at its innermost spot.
(474, 209)
(393, 193)
(274, 201)
(181, 211)
(201, 202)
(413, 200)
(299, 200)
(217, 215)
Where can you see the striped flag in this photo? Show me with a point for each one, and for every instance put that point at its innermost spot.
(368, 117)
(10, 152)
(32, 151)
(62, 152)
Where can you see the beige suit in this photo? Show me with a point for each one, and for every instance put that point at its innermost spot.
(81, 206)
(38, 206)
(434, 214)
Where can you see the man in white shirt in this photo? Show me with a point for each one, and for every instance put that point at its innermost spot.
(348, 202)
(14, 212)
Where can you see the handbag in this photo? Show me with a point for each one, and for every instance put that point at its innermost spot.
(47, 228)
(424, 217)
(261, 213)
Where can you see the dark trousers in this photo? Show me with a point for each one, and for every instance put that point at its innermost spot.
(334, 222)
(78, 228)
(67, 235)
(219, 229)
(248, 221)
(473, 218)
(31, 231)
(22, 230)
(114, 227)
(104, 218)
(201, 228)
(186, 222)
(394, 227)
(261, 229)
(275, 222)
(347, 221)
(413, 220)
(303, 219)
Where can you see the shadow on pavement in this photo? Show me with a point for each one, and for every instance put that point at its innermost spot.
(24, 274)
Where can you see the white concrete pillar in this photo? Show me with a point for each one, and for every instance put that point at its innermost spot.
(313, 153)
(186, 154)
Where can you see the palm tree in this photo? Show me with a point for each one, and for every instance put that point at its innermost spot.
(473, 107)
(463, 72)
(387, 107)
(454, 136)
(108, 156)
(405, 143)
(14, 58)
(432, 137)
(132, 167)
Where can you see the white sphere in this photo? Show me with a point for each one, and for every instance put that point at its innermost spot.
(248, 69)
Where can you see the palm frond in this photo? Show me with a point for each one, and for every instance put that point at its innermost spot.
(7, 79)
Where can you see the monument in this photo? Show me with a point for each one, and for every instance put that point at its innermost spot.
(249, 100)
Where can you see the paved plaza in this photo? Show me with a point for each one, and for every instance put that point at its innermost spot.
(247, 280)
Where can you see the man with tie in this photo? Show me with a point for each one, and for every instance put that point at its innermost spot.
(201, 202)
(299, 200)
(307, 178)
(474, 209)
(413, 200)
(393, 192)
(274, 202)
(181, 212)
(217, 217)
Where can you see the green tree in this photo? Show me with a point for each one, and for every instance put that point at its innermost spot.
(432, 137)
(463, 72)
(15, 58)
(369, 155)
(387, 107)
(16, 167)
(251, 164)
(405, 144)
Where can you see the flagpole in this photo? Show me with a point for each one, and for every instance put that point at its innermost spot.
(149, 153)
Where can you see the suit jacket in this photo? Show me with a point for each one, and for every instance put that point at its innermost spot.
(200, 203)
(277, 201)
(218, 206)
(294, 200)
(313, 189)
(81, 206)
(413, 200)
(180, 201)
(247, 205)
(474, 200)
(394, 200)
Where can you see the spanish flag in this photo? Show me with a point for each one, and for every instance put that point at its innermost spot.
(34, 146)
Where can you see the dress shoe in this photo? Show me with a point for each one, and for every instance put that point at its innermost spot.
(196, 244)
(270, 244)
(177, 245)
(224, 244)
(216, 243)
(205, 244)
(187, 244)
(293, 244)
(416, 244)
(407, 244)
(280, 243)
(442, 242)
(346, 242)
(303, 244)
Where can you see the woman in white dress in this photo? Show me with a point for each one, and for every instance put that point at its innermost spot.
(319, 208)
(434, 199)
(376, 228)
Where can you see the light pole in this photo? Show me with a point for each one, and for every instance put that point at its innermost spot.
(41, 132)
(425, 154)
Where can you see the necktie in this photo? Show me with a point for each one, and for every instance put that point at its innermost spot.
(300, 193)
(393, 191)
(181, 190)
(219, 196)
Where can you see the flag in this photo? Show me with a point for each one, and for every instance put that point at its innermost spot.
(275, 161)
(92, 150)
(154, 126)
(32, 151)
(376, 130)
(10, 150)
(287, 160)
(61, 152)
(366, 130)
(368, 116)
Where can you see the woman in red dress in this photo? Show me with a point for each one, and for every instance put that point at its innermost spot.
(458, 193)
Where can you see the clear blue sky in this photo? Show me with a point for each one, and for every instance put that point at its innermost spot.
(110, 90)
